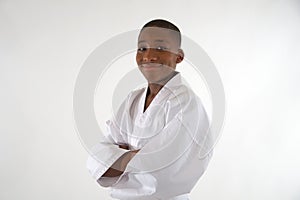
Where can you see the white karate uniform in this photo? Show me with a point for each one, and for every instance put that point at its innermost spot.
(172, 134)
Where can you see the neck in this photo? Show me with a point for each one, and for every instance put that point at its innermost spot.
(154, 88)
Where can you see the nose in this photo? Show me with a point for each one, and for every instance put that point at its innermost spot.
(149, 55)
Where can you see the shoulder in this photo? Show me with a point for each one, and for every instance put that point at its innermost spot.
(183, 101)
(183, 95)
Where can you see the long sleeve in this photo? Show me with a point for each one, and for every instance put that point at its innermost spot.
(169, 164)
(104, 153)
(173, 138)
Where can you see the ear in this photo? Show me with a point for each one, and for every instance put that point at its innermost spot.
(180, 56)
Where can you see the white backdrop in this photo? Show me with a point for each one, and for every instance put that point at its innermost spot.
(254, 44)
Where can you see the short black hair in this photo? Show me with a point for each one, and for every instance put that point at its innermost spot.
(161, 23)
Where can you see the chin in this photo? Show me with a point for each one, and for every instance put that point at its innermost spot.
(158, 77)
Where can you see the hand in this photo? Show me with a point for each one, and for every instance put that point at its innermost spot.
(135, 151)
(124, 146)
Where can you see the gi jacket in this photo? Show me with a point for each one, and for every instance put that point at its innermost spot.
(173, 138)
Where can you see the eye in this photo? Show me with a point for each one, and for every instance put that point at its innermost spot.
(161, 48)
(141, 49)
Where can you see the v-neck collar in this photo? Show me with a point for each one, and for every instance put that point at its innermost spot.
(173, 82)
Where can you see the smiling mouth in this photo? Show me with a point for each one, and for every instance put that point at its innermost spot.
(151, 66)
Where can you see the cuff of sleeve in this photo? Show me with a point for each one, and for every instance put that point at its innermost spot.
(97, 167)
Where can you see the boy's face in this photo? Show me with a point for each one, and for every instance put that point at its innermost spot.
(158, 53)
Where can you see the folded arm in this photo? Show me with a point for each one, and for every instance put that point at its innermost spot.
(120, 165)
